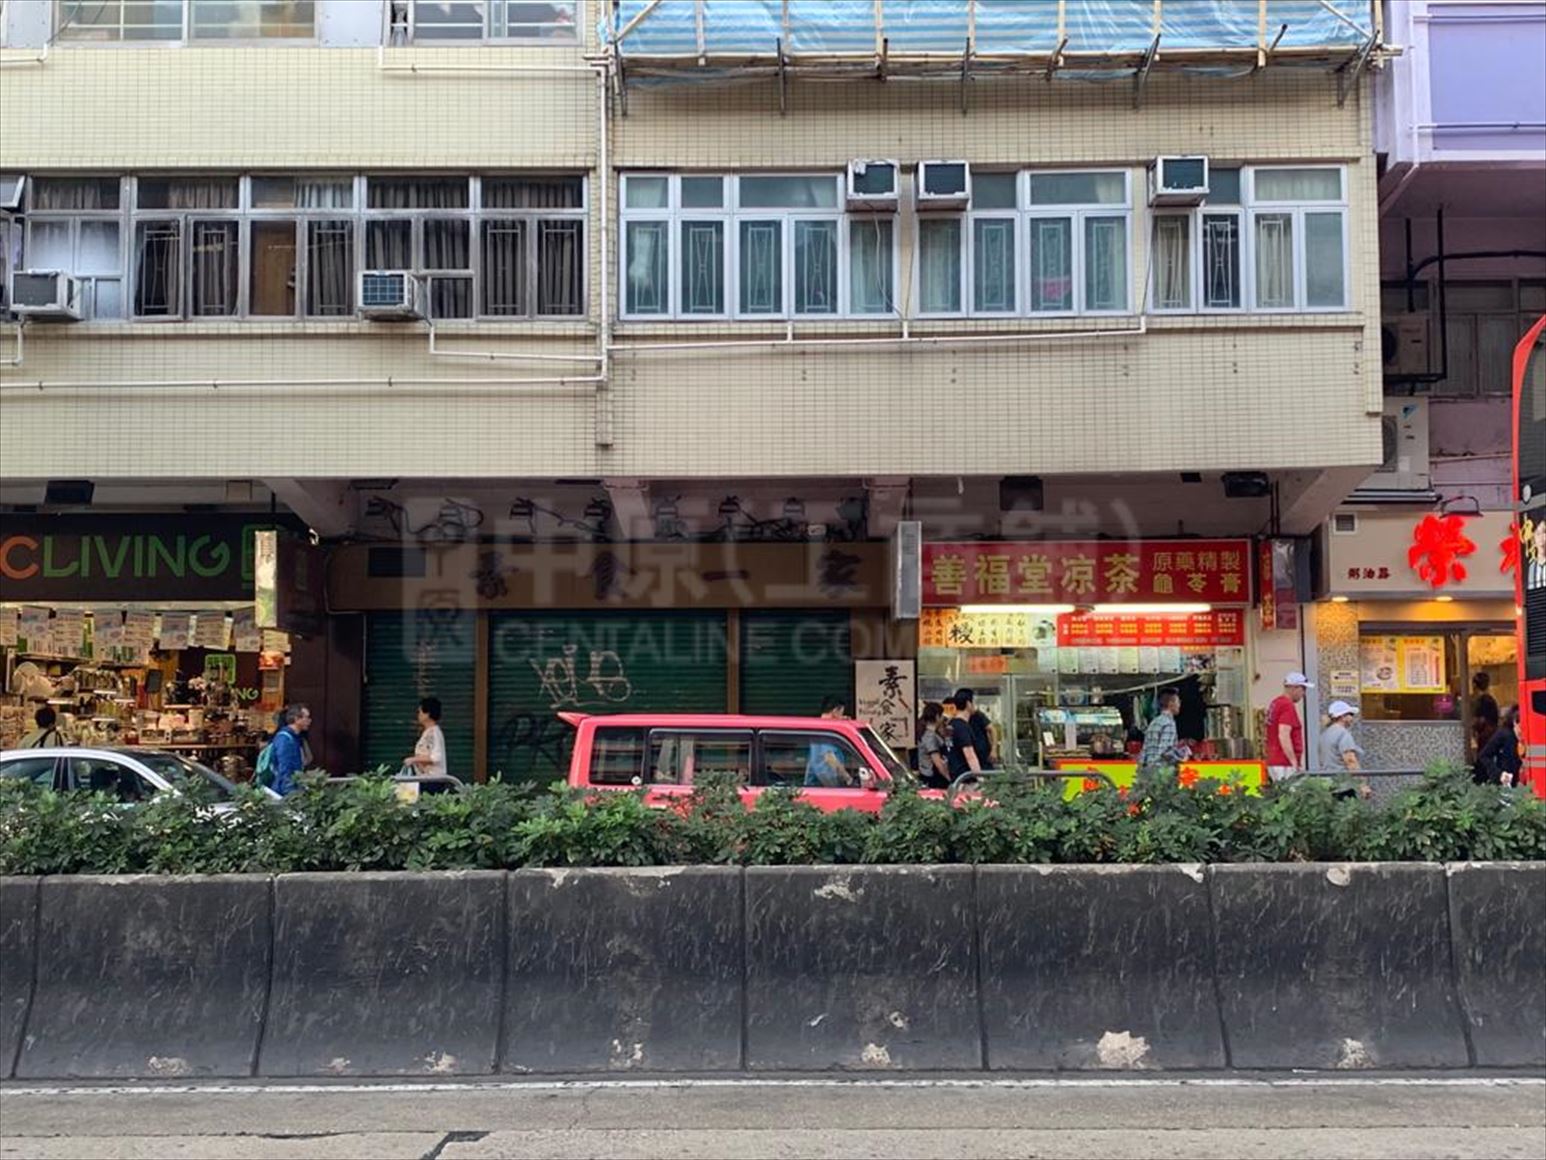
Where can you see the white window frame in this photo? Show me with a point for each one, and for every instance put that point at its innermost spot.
(733, 215)
(403, 29)
(129, 217)
(1023, 214)
(24, 223)
(185, 37)
(1298, 208)
(1245, 213)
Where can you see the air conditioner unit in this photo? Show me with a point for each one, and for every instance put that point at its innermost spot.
(47, 294)
(943, 185)
(1404, 432)
(391, 295)
(1178, 181)
(872, 186)
(1404, 342)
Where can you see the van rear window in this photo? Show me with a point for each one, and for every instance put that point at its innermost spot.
(617, 756)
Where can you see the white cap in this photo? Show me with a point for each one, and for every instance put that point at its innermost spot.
(1341, 709)
(1297, 679)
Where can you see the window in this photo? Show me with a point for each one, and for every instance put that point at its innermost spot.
(617, 757)
(758, 246)
(1291, 236)
(98, 775)
(438, 21)
(73, 225)
(1069, 230)
(685, 758)
(173, 21)
(787, 756)
(272, 246)
(38, 770)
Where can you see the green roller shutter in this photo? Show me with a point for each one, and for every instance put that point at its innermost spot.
(410, 655)
(791, 660)
(541, 664)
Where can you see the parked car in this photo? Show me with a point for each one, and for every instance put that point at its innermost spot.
(132, 775)
(667, 754)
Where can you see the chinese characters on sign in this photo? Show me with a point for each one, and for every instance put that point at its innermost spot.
(1086, 572)
(1402, 664)
(1202, 629)
(953, 628)
(886, 699)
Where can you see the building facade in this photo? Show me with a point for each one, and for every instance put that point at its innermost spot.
(454, 284)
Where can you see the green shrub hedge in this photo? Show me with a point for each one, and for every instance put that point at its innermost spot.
(362, 826)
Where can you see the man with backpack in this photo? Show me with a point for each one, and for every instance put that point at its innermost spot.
(47, 734)
(284, 758)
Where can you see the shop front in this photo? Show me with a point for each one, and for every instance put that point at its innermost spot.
(1419, 606)
(508, 636)
(141, 630)
(1068, 644)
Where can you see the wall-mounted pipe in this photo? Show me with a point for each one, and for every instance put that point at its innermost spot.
(375, 385)
(503, 355)
(16, 359)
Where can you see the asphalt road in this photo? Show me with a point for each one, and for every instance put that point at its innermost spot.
(1153, 1119)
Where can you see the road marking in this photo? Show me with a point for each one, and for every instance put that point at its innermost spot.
(259, 1088)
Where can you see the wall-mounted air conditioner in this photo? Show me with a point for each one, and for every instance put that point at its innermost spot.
(1404, 431)
(1404, 344)
(943, 185)
(391, 295)
(50, 295)
(872, 186)
(1178, 181)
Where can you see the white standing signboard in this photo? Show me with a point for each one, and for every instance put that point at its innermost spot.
(886, 697)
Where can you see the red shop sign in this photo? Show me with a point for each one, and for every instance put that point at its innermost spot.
(1087, 572)
(1225, 626)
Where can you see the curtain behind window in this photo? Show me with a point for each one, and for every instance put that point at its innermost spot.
(939, 266)
(330, 268)
(1172, 262)
(215, 260)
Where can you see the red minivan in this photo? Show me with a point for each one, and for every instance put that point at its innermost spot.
(666, 752)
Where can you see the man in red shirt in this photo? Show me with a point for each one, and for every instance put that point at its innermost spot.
(1285, 730)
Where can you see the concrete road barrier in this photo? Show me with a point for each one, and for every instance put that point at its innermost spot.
(148, 977)
(624, 969)
(1091, 967)
(18, 961)
(869, 968)
(1498, 923)
(1341, 966)
(386, 974)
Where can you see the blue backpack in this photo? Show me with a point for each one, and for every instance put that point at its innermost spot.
(263, 776)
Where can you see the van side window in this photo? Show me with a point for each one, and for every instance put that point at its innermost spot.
(616, 756)
(685, 757)
(787, 756)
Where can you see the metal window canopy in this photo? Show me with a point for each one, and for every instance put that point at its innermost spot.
(685, 40)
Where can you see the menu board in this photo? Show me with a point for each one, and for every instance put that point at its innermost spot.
(106, 634)
(982, 628)
(8, 623)
(139, 634)
(1402, 664)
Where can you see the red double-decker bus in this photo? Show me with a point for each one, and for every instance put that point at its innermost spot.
(1530, 584)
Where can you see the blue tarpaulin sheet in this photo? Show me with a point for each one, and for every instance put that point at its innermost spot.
(754, 27)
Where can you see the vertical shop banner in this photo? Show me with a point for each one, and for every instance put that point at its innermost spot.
(1094, 572)
(139, 634)
(1279, 599)
(289, 578)
(176, 631)
(886, 697)
(106, 634)
(8, 627)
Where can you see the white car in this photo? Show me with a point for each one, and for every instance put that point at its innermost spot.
(131, 775)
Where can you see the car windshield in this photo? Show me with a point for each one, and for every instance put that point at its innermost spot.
(894, 765)
(178, 770)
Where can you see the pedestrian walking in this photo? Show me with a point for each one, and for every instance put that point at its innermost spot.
(933, 767)
(1484, 710)
(287, 752)
(960, 745)
(1499, 762)
(47, 733)
(429, 754)
(1162, 750)
(1286, 756)
(981, 727)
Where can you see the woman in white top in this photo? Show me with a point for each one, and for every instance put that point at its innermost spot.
(429, 755)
